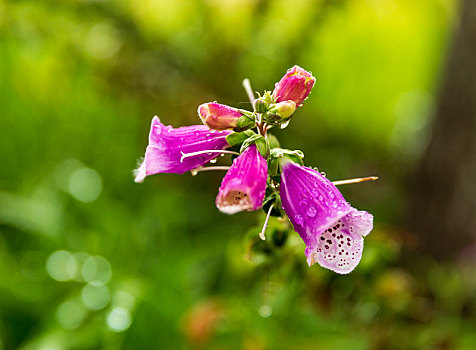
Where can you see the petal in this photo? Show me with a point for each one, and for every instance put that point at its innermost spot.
(310, 200)
(339, 248)
(167, 146)
(244, 185)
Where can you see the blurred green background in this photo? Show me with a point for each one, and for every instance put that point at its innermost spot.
(91, 260)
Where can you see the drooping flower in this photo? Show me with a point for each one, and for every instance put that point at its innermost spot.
(332, 230)
(244, 185)
(295, 85)
(218, 116)
(167, 146)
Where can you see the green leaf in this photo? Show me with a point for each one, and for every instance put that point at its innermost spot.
(236, 138)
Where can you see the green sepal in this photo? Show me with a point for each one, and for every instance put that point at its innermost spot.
(268, 97)
(260, 143)
(273, 161)
(294, 155)
(244, 123)
(249, 114)
(273, 166)
(272, 140)
(235, 138)
(260, 105)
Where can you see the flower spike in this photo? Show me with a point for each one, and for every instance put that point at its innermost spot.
(264, 175)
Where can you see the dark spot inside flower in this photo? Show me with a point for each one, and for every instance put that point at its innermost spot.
(330, 230)
(329, 241)
(322, 238)
(326, 246)
(333, 235)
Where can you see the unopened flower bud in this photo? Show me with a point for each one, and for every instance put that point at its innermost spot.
(283, 109)
(219, 117)
(260, 105)
(295, 85)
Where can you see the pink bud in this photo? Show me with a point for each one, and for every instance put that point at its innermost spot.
(295, 85)
(217, 116)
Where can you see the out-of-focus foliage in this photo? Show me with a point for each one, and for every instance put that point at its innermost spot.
(90, 260)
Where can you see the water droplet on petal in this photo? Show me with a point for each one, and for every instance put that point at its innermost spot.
(323, 173)
(298, 219)
(194, 172)
(311, 212)
(213, 160)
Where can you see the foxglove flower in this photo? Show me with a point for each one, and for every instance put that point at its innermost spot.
(295, 85)
(219, 117)
(244, 185)
(167, 145)
(332, 230)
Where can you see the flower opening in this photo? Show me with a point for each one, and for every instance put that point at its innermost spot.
(332, 230)
(244, 185)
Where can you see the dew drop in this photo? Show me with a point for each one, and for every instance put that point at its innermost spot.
(194, 172)
(311, 212)
(323, 173)
(298, 219)
(213, 160)
(285, 124)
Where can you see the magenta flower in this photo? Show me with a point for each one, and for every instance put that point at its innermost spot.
(218, 116)
(244, 185)
(332, 230)
(295, 85)
(167, 146)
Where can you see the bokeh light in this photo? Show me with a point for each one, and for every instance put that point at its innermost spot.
(85, 185)
(96, 270)
(70, 314)
(61, 265)
(95, 297)
(119, 319)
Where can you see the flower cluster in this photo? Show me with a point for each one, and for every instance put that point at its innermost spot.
(262, 172)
